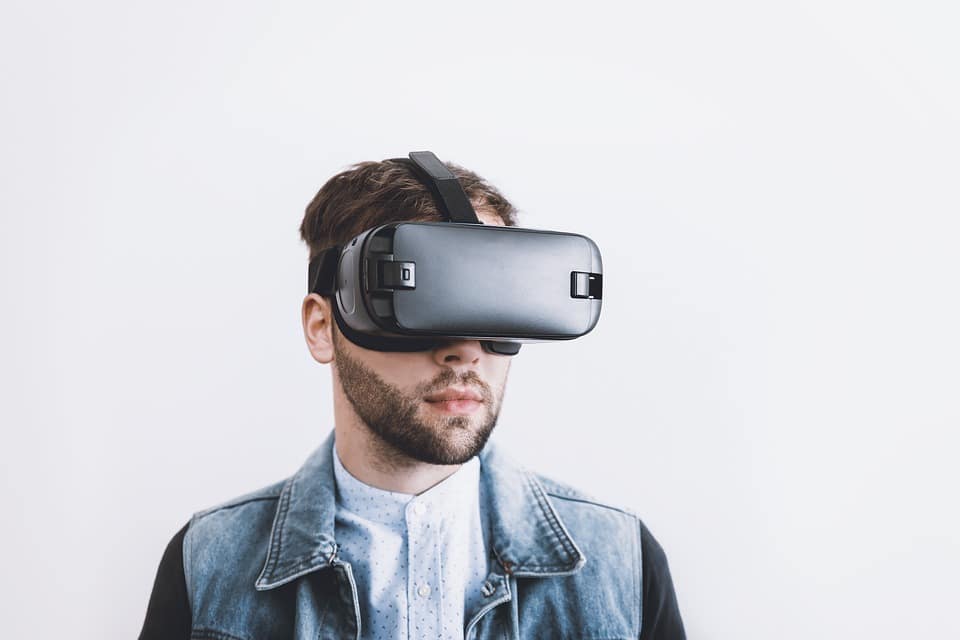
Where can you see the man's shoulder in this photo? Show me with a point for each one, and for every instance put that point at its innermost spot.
(610, 535)
(261, 497)
(249, 514)
(590, 518)
(220, 541)
(607, 533)
(559, 493)
(576, 498)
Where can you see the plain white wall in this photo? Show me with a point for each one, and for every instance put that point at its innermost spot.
(773, 384)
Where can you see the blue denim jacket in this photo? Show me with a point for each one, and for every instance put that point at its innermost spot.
(562, 565)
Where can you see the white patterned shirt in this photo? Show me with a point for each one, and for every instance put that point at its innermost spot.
(419, 561)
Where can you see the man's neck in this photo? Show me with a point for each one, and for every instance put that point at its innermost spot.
(377, 463)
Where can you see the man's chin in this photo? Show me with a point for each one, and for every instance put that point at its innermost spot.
(445, 417)
(456, 439)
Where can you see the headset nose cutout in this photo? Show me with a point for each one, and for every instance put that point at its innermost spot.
(464, 352)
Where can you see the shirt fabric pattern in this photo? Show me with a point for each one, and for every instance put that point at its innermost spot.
(420, 561)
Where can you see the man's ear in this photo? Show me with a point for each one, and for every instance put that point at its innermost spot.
(318, 327)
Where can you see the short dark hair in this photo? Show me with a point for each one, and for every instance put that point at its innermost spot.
(368, 194)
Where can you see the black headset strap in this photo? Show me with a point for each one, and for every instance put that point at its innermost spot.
(322, 272)
(447, 191)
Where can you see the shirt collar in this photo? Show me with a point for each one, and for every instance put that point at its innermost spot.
(452, 497)
(527, 536)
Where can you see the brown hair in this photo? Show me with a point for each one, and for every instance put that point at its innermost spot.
(368, 194)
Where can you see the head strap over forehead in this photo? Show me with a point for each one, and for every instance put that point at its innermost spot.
(447, 191)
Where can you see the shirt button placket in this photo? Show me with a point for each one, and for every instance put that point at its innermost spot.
(422, 610)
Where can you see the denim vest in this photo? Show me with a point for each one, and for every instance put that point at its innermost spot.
(562, 565)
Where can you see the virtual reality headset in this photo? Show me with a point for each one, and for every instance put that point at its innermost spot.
(412, 286)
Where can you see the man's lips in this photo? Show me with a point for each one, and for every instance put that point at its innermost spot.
(457, 400)
(455, 393)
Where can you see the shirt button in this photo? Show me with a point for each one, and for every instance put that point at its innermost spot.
(424, 590)
(419, 508)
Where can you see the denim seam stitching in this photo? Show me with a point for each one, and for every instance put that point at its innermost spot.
(592, 502)
(237, 504)
(229, 505)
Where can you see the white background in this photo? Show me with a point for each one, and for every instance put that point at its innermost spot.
(773, 384)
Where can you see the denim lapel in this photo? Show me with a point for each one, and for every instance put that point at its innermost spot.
(301, 540)
(527, 535)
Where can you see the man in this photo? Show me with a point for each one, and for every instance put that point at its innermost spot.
(407, 522)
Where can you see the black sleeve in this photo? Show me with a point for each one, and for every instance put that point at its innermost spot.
(661, 615)
(168, 614)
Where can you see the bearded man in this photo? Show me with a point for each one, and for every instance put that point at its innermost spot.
(408, 522)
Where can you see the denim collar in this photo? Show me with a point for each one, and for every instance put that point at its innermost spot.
(526, 533)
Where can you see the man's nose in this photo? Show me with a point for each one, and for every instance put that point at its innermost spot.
(459, 353)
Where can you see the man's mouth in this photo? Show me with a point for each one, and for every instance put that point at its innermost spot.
(455, 400)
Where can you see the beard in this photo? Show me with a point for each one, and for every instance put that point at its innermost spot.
(395, 416)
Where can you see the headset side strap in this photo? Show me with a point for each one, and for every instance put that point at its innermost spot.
(322, 272)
